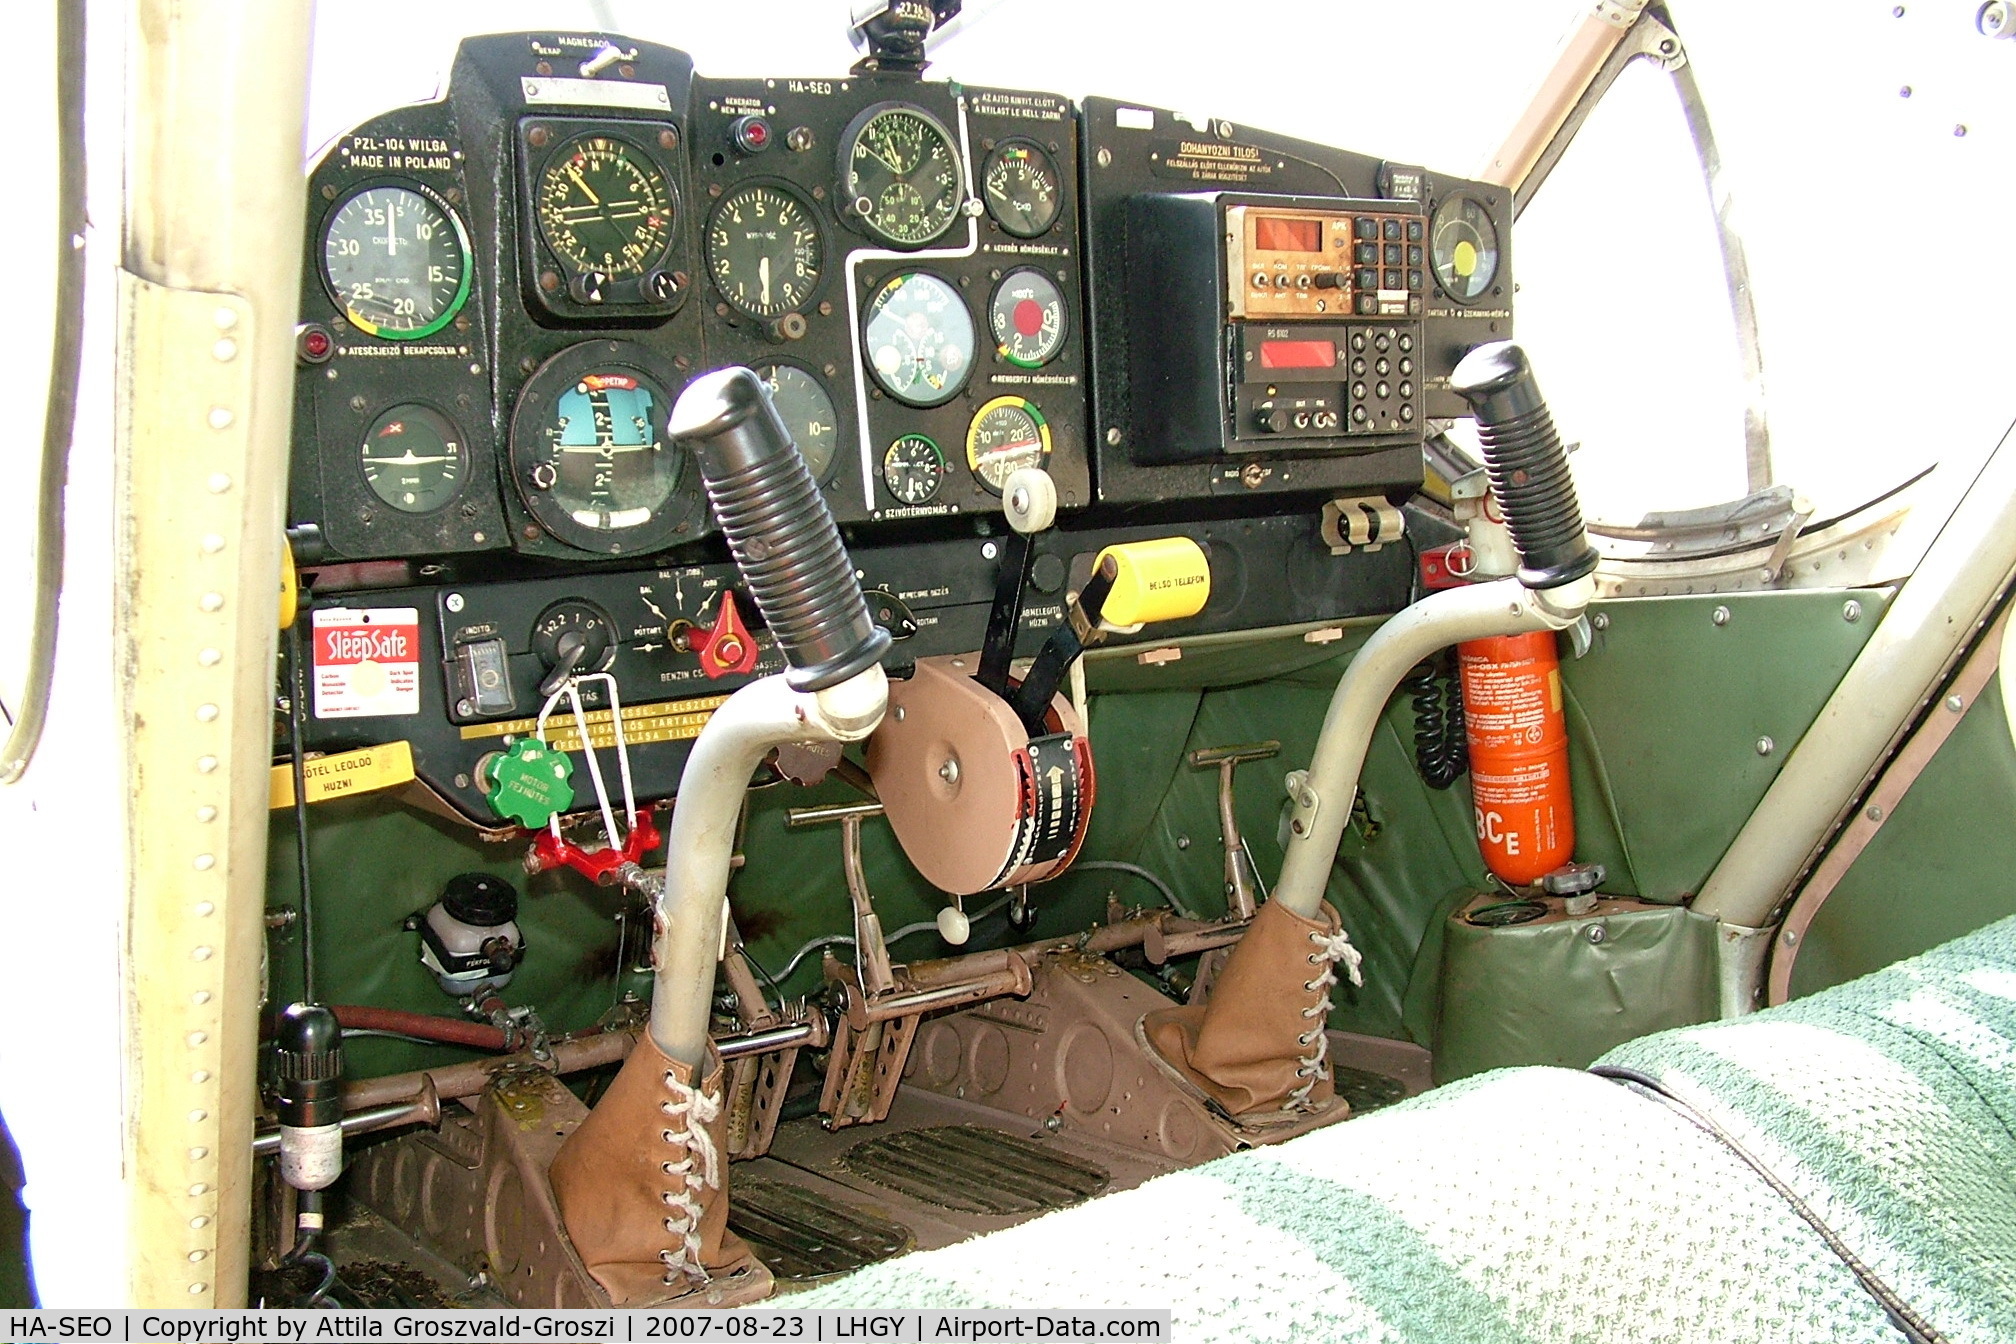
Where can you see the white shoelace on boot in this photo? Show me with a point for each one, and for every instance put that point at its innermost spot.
(1332, 948)
(699, 1170)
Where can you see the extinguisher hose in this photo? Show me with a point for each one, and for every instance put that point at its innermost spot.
(1441, 749)
(1528, 465)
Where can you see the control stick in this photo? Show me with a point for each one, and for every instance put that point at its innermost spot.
(1529, 472)
(803, 584)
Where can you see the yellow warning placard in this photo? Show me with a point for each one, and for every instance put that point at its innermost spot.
(344, 773)
(667, 721)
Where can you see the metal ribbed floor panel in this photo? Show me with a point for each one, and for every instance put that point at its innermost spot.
(975, 1170)
(803, 1235)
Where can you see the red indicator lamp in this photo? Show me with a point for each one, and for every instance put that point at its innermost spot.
(1298, 354)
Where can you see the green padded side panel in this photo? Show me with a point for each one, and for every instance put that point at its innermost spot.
(1935, 870)
(1544, 993)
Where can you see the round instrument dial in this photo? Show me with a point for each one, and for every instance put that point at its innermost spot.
(397, 261)
(899, 174)
(1007, 434)
(413, 458)
(1026, 315)
(764, 250)
(1463, 244)
(913, 469)
(920, 339)
(589, 452)
(577, 628)
(605, 207)
(807, 412)
(1022, 188)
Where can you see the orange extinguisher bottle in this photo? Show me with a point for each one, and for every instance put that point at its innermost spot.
(1518, 754)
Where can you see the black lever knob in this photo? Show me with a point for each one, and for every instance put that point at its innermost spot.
(778, 528)
(1528, 465)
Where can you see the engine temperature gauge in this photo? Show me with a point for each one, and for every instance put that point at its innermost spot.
(913, 469)
(1026, 315)
(1007, 434)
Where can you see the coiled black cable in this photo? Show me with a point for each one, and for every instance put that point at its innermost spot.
(1441, 748)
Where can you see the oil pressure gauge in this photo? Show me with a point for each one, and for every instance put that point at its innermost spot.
(1026, 316)
(1007, 434)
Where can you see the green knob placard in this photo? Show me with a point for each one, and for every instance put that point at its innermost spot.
(529, 783)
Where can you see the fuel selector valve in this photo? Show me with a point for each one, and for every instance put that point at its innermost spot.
(725, 648)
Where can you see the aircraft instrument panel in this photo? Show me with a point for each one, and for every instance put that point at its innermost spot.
(1190, 326)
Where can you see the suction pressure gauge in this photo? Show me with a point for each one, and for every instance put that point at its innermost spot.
(1022, 188)
(1463, 244)
(413, 458)
(919, 339)
(1026, 315)
(899, 175)
(396, 260)
(913, 469)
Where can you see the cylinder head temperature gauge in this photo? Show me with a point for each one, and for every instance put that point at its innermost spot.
(913, 469)
(1026, 316)
(1007, 434)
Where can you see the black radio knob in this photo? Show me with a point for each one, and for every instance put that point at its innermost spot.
(1331, 280)
(1270, 419)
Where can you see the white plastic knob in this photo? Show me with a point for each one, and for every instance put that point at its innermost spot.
(1029, 497)
(953, 926)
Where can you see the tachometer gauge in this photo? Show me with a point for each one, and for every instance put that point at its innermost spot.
(808, 413)
(1463, 244)
(1022, 188)
(589, 451)
(396, 261)
(413, 458)
(1026, 315)
(899, 174)
(919, 338)
(1006, 435)
(764, 250)
(913, 469)
(605, 207)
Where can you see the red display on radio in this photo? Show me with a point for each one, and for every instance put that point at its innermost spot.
(1298, 354)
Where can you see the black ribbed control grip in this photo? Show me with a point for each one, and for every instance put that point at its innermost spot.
(1528, 465)
(778, 528)
(309, 1070)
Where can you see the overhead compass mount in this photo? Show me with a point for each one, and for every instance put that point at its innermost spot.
(890, 34)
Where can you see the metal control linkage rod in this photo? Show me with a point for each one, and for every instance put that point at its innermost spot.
(1529, 472)
(803, 583)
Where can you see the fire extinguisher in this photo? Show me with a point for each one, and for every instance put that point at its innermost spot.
(1518, 754)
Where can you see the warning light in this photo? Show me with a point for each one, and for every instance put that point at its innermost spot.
(750, 134)
(314, 344)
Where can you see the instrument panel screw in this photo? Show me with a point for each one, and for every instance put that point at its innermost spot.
(1765, 746)
(454, 602)
(1182, 842)
(1597, 933)
(1601, 620)
(1105, 157)
(1720, 616)
(1956, 703)
(1851, 611)
(1113, 436)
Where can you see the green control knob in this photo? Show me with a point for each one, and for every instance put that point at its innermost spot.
(529, 783)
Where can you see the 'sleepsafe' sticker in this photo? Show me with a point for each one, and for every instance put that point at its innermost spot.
(367, 662)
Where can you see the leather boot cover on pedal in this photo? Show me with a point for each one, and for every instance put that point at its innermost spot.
(1256, 1047)
(643, 1183)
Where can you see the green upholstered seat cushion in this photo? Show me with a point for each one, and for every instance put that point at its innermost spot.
(1542, 1204)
